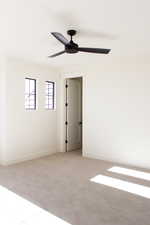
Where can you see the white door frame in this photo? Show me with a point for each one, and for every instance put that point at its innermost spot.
(62, 127)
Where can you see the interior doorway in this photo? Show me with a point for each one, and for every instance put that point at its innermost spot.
(73, 114)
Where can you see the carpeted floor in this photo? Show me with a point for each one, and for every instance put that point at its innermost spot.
(60, 184)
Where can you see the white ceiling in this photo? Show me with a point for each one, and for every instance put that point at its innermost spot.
(123, 26)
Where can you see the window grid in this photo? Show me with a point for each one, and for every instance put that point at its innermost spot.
(30, 94)
(50, 95)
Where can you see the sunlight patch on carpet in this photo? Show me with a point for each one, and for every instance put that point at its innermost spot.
(130, 172)
(122, 185)
(16, 210)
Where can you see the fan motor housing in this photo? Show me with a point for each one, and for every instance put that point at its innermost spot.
(71, 48)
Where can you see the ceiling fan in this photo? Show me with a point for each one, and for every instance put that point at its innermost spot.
(71, 47)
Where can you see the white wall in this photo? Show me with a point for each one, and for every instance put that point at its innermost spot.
(117, 114)
(116, 111)
(29, 134)
(2, 107)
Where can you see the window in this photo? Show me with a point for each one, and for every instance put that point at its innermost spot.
(30, 94)
(50, 86)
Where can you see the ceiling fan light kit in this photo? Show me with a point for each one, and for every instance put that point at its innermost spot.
(71, 47)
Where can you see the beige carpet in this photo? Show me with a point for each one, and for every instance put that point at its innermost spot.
(60, 184)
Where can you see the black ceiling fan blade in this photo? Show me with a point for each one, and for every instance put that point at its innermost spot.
(60, 38)
(95, 50)
(57, 54)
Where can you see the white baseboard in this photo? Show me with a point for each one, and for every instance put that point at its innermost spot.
(94, 156)
(117, 161)
(27, 157)
(104, 158)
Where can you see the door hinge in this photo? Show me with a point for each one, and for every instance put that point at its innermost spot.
(66, 123)
(66, 86)
(66, 104)
(66, 141)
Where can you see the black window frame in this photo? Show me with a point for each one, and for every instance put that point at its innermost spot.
(47, 95)
(27, 78)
